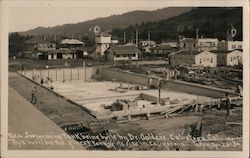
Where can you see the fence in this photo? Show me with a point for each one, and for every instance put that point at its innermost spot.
(61, 74)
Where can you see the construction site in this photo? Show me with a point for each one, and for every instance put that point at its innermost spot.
(162, 113)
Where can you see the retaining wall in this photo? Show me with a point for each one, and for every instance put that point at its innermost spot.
(174, 85)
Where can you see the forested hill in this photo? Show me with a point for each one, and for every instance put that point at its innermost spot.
(108, 23)
(211, 22)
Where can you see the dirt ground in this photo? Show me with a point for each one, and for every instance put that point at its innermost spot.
(61, 111)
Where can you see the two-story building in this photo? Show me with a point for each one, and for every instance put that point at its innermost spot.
(193, 58)
(199, 44)
(36, 45)
(228, 58)
(230, 45)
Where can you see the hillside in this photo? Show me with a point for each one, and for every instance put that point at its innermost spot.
(211, 22)
(108, 23)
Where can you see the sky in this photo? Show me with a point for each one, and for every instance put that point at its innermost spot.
(26, 18)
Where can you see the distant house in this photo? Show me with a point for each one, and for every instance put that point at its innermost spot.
(230, 45)
(228, 58)
(40, 43)
(193, 58)
(122, 53)
(37, 45)
(65, 53)
(147, 43)
(166, 49)
(188, 44)
(71, 44)
(200, 44)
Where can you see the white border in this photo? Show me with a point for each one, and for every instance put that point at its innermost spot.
(73, 153)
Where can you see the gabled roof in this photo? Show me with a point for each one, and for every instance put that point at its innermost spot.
(71, 41)
(220, 51)
(123, 49)
(223, 51)
(187, 53)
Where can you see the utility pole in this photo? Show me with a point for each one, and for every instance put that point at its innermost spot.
(149, 38)
(136, 37)
(124, 37)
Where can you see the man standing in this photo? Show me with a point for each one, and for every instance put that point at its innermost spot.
(33, 95)
(228, 104)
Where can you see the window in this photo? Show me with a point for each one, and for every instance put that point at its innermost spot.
(194, 45)
(211, 60)
(134, 55)
(184, 45)
(239, 46)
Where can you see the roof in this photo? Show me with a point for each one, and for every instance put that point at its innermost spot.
(162, 47)
(71, 41)
(104, 34)
(187, 52)
(220, 51)
(130, 44)
(39, 39)
(123, 49)
(223, 51)
(188, 40)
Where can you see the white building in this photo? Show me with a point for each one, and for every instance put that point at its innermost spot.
(193, 58)
(207, 44)
(230, 45)
(229, 58)
(147, 43)
(200, 44)
(103, 42)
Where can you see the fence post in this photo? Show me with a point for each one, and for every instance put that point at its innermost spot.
(32, 74)
(56, 74)
(78, 72)
(70, 74)
(63, 75)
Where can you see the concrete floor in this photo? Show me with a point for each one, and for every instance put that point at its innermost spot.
(80, 91)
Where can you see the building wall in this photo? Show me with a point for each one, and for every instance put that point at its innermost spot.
(184, 45)
(126, 57)
(206, 59)
(230, 45)
(234, 58)
(179, 59)
(221, 59)
(207, 44)
(46, 46)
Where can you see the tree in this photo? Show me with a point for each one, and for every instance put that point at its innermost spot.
(16, 43)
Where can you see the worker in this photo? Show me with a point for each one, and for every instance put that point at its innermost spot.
(228, 104)
(33, 96)
(42, 81)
